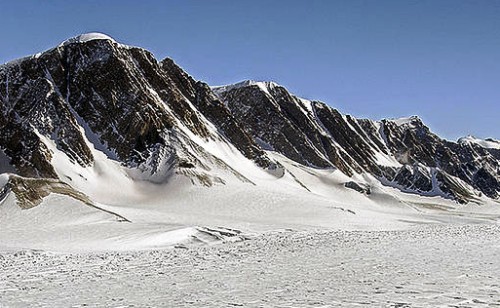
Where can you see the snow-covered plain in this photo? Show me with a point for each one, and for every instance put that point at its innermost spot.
(428, 266)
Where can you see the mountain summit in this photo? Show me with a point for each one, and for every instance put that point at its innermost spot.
(85, 37)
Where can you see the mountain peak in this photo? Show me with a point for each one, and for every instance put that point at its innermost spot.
(263, 85)
(406, 120)
(86, 37)
(488, 143)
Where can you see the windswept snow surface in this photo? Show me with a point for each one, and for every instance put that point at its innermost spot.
(429, 266)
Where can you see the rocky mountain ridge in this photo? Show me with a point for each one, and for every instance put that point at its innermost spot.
(128, 105)
(91, 94)
(403, 153)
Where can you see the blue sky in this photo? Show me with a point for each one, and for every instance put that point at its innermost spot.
(436, 59)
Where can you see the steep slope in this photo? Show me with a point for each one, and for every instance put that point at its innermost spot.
(403, 153)
(91, 92)
(209, 105)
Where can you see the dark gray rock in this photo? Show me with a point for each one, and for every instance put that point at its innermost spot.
(359, 187)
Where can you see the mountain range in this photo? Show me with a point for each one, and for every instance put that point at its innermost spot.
(101, 122)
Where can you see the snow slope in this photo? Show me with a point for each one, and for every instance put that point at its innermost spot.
(178, 212)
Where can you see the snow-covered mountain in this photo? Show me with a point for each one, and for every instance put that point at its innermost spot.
(488, 143)
(106, 128)
(403, 153)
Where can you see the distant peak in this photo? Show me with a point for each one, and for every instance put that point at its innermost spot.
(247, 83)
(488, 143)
(263, 85)
(406, 120)
(86, 37)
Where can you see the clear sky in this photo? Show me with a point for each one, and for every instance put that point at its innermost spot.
(433, 58)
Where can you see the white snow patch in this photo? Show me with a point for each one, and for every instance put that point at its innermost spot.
(485, 143)
(307, 104)
(405, 121)
(263, 85)
(386, 160)
(86, 37)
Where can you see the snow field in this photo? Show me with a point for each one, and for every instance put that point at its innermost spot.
(428, 266)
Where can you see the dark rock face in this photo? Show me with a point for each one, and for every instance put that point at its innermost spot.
(95, 83)
(471, 164)
(310, 133)
(401, 153)
(359, 187)
(214, 110)
(277, 124)
(30, 106)
(417, 178)
(104, 89)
